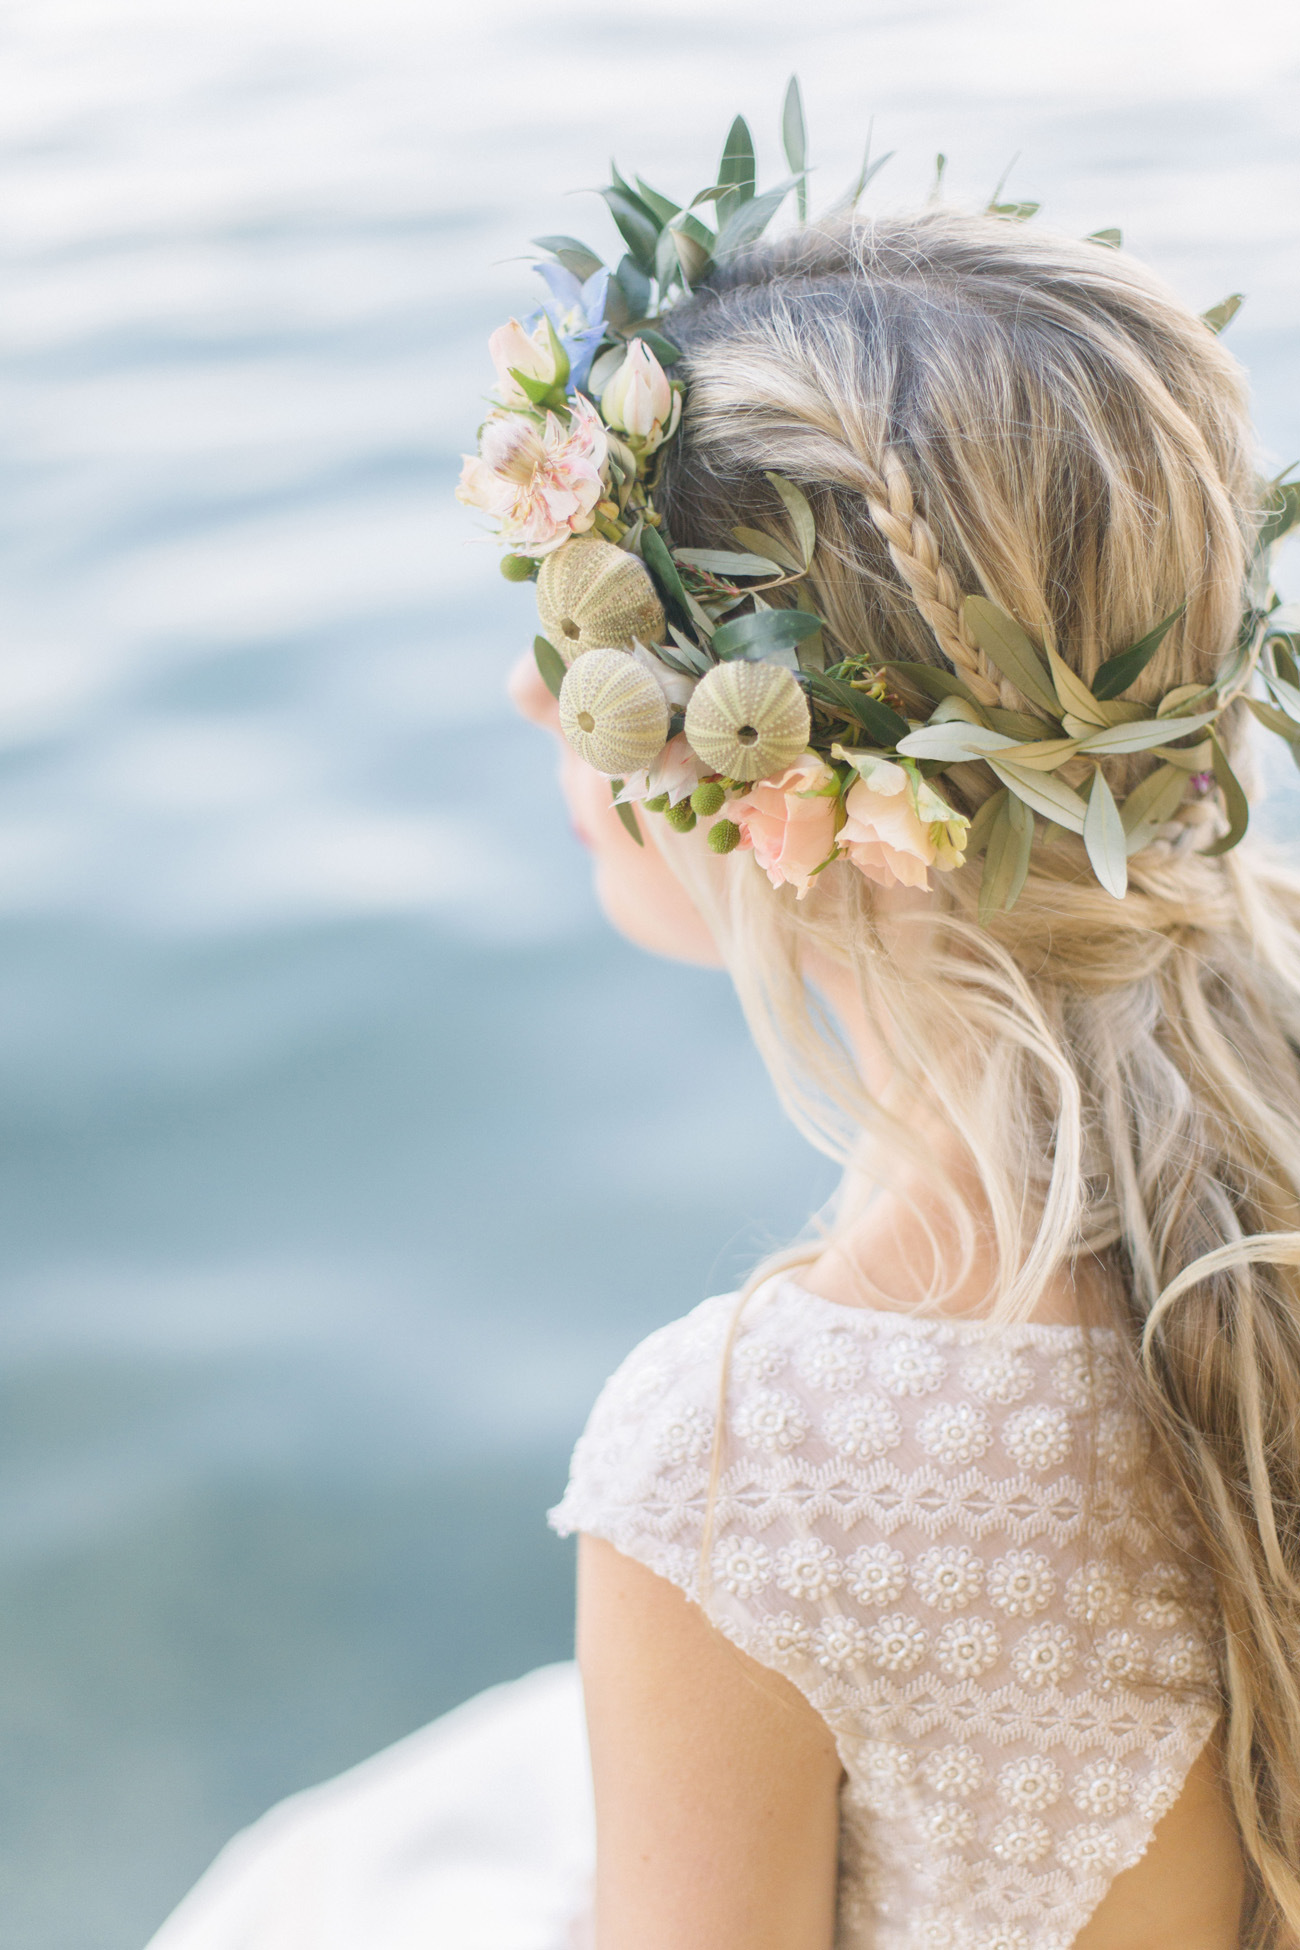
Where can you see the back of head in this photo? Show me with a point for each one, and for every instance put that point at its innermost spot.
(976, 407)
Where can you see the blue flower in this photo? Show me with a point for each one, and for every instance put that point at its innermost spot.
(577, 311)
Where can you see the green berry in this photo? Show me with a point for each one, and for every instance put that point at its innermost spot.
(708, 797)
(658, 804)
(518, 568)
(725, 836)
(680, 817)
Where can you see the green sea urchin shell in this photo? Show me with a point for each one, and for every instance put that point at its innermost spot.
(613, 712)
(593, 596)
(747, 720)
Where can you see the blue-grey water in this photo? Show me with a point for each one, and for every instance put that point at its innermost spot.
(343, 1150)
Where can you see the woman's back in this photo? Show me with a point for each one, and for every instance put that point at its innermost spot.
(944, 1535)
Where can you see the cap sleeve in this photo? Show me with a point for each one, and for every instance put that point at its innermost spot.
(640, 1472)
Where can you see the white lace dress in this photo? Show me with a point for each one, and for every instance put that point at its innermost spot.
(943, 1533)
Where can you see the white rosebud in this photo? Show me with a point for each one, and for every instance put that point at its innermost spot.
(639, 400)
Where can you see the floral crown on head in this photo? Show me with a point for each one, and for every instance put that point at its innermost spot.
(704, 684)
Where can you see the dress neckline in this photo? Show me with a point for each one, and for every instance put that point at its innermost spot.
(945, 1327)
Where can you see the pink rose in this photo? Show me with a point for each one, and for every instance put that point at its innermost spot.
(883, 834)
(789, 821)
(542, 484)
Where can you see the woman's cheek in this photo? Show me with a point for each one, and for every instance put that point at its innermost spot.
(638, 891)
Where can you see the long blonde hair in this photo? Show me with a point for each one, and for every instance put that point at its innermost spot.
(972, 405)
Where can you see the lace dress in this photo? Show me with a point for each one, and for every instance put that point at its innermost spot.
(915, 1524)
(942, 1532)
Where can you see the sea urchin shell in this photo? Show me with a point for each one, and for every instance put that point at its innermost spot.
(593, 596)
(613, 712)
(747, 720)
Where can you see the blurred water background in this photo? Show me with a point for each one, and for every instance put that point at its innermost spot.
(343, 1149)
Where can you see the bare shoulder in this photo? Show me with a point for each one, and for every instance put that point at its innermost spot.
(717, 1784)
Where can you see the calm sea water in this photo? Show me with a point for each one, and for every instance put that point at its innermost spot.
(343, 1150)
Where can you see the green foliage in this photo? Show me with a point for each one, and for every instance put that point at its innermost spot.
(1117, 673)
(550, 663)
(626, 815)
(762, 638)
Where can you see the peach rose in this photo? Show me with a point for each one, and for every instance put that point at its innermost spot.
(789, 821)
(883, 834)
(542, 484)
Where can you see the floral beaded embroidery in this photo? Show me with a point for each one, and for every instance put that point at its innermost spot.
(909, 1521)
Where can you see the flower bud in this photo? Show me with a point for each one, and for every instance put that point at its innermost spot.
(538, 355)
(518, 568)
(680, 817)
(724, 837)
(639, 401)
(708, 797)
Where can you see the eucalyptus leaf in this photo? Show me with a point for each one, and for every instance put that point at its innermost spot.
(1145, 735)
(573, 254)
(635, 287)
(800, 513)
(1112, 237)
(1006, 858)
(550, 664)
(628, 817)
(775, 550)
(1050, 796)
(1105, 838)
(1235, 802)
(1216, 318)
(766, 630)
(1118, 672)
(794, 140)
(931, 681)
(721, 562)
(1005, 644)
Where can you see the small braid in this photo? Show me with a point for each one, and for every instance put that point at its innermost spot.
(915, 554)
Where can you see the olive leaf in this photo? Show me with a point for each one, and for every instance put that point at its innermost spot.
(637, 224)
(794, 140)
(660, 563)
(662, 206)
(573, 254)
(626, 814)
(1145, 734)
(1235, 801)
(1005, 644)
(722, 562)
(550, 663)
(1074, 695)
(880, 720)
(1105, 838)
(776, 551)
(931, 681)
(800, 513)
(1275, 720)
(737, 173)
(1223, 314)
(1150, 804)
(952, 741)
(1006, 858)
(1050, 796)
(1118, 672)
(853, 194)
(1112, 237)
(1281, 512)
(977, 836)
(748, 220)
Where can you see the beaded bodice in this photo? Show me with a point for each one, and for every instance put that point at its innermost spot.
(943, 1533)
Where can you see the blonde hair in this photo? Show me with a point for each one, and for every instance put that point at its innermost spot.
(975, 406)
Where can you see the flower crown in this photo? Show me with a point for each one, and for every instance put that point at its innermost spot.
(702, 698)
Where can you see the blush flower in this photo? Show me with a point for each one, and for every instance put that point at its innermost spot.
(541, 483)
(897, 825)
(640, 401)
(536, 354)
(789, 821)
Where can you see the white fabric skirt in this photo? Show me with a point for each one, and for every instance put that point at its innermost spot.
(476, 1833)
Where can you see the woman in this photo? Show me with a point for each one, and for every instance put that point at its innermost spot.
(970, 1620)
